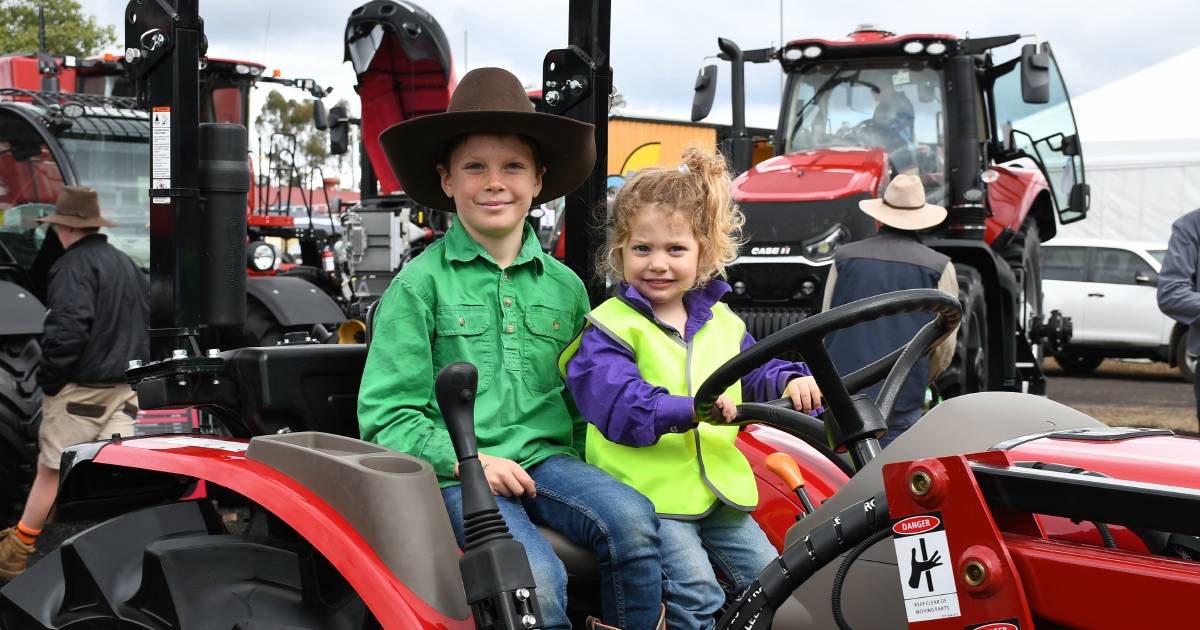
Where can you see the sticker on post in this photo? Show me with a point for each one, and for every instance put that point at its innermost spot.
(160, 144)
(926, 577)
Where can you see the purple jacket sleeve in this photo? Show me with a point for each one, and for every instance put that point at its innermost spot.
(768, 381)
(612, 395)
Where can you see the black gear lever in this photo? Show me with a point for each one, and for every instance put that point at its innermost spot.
(495, 569)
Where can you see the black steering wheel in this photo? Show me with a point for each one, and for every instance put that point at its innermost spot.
(849, 424)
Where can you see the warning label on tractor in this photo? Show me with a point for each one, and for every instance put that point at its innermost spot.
(923, 557)
(160, 142)
(1007, 624)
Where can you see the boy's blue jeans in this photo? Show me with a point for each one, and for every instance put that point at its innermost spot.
(728, 539)
(598, 512)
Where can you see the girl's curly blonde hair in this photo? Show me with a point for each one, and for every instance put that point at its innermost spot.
(698, 190)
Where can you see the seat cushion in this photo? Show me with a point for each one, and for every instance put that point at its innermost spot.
(579, 561)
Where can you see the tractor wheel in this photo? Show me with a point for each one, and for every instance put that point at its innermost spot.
(968, 369)
(172, 566)
(261, 329)
(1024, 255)
(20, 418)
(1187, 362)
(1078, 363)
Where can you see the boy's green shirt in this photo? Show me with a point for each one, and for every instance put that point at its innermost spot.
(453, 303)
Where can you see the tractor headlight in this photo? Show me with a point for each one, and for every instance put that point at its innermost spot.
(792, 54)
(936, 48)
(824, 246)
(812, 52)
(914, 48)
(260, 256)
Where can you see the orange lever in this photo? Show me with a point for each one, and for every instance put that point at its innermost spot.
(786, 469)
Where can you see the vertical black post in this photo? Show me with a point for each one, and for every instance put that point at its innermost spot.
(741, 145)
(163, 47)
(967, 213)
(577, 84)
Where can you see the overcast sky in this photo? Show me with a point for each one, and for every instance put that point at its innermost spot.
(657, 46)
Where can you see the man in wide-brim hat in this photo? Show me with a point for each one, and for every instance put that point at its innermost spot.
(893, 260)
(485, 293)
(98, 320)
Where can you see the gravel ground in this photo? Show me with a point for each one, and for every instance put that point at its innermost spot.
(1127, 393)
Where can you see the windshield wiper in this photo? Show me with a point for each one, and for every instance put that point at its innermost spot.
(829, 84)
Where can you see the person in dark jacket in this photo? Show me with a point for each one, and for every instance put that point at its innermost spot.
(893, 260)
(1178, 295)
(99, 308)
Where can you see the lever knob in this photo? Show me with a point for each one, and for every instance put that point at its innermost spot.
(786, 469)
(455, 391)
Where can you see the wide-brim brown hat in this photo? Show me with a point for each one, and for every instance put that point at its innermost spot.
(903, 205)
(77, 207)
(488, 100)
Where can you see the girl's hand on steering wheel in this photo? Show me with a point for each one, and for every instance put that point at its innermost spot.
(505, 476)
(805, 394)
(725, 405)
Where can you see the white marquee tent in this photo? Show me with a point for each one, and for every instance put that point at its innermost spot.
(1141, 148)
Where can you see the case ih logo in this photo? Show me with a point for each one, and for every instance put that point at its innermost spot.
(782, 250)
(997, 626)
(917, 525)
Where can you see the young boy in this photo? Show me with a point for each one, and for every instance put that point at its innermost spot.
(487, 294)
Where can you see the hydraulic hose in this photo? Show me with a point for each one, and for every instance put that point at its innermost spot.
(754, 608)
(839, 579)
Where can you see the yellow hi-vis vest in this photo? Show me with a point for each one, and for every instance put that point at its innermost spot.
(683, 474)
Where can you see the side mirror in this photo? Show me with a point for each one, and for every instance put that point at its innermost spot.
(1077, 205)
(339, 131)
(1146, 278)
(1035, 74)
(706, 91)
(320, 121)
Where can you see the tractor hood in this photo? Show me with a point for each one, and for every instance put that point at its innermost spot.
(819, 175)
(402, 60)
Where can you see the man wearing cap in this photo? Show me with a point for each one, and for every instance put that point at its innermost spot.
(99, 306)
(893, 260)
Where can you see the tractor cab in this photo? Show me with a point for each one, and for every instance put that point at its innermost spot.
(992, 141)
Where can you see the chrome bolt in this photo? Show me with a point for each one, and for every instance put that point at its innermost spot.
(919, 483)
(214, 353)
(528, 621)
(133, 55)
(974, 573)
(553, 98)
(135, 364)
(522, 594)
(178, 354)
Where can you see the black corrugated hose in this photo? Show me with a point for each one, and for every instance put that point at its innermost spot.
(840, 578)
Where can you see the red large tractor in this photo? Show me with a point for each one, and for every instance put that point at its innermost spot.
(994, 142)
(998, 510)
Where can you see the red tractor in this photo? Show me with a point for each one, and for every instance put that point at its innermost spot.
(994, 142)
(1003, 510)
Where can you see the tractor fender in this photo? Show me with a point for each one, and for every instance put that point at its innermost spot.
(966, 424)
(102, 479)
(294, 302)
(1000, 289)
(22, 314)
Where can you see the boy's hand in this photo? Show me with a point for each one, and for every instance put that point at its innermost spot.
(725, 405)
(805, 394)
(505, 476)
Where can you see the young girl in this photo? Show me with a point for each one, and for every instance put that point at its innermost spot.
(642, 355)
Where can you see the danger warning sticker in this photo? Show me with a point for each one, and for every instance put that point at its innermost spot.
(160, 146)
(923, 558)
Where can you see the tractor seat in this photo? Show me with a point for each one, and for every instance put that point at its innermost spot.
(580, 562)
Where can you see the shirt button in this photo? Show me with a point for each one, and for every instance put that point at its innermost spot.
(462, 321)
(511, 328)
(508, 301)
(505, 276)
(555, 325)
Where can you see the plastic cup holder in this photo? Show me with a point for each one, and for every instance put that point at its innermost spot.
(391, 464)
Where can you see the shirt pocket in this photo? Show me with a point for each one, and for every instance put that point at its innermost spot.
(548, 330)
(462, 335)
